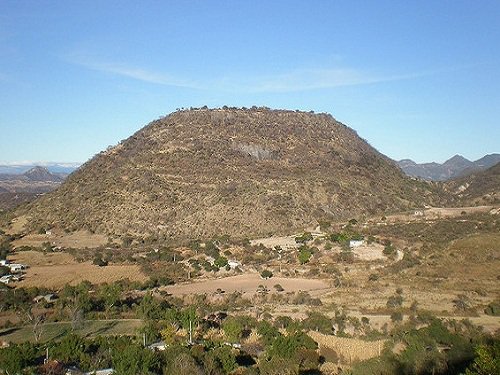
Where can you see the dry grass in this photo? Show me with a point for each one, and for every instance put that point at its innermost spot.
(37, 258)
(18, 224)
(347, 348)
(79, 239)
(56, 276)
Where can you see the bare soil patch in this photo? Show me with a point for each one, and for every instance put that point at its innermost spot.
(441, 212)
(271, 242)
(246, 283)
(370, 252)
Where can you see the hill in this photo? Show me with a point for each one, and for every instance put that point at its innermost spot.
(55, 168)
(479, 188)
(242, 172)
(18, 188)
(455, 167)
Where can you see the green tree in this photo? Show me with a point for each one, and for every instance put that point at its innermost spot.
(72, 348)
(266, 274)
(134, 360)
(224, 358)
(305, 237)
(267, 331)
(318, 322)
(16, 357)
(149, 307)
(487, 360)
(233, 329)
(110, 295)
(304, 255)
(221, 261)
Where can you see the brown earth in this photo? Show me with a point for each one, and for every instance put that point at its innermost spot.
(247, 284)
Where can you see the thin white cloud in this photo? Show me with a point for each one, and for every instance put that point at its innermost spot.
(132, 72)
(24, 163)
(291, 81)
(315, 79)
(309, 79)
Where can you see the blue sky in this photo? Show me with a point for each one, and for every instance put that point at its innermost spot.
(416, 79)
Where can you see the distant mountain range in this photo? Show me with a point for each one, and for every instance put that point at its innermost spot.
(35, 174)
(456, 167)
(19, 188)
(20, 168)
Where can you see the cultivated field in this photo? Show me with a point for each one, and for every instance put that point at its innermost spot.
(247, 284)
(80, 239)
(54, 270)
(89, 328)
(56, 276)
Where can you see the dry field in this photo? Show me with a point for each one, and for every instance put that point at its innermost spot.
(56, 276)
(271, 242)
(349, 349)
(80, 239)
(434, 213)
(442, 212)
(247, 284)
(370, 252)
(55, 270)
(37, 258)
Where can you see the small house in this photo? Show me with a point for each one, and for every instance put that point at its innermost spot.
(158, 346)
(4, 262)
(356, 243)
(16, 267)
(233, 264)
(48, 298)
(6, 279)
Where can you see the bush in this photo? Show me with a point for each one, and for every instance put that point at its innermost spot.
(304, 255)
(493, 309)
(98, 261)
(266, 274)
(278, 288)
(396, 316)
(221, 261)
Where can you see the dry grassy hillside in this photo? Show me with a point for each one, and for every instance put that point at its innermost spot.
(479, 188)
(242, 172)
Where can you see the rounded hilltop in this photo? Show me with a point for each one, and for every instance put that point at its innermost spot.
(244, 172)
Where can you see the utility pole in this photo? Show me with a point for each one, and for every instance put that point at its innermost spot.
(190, 332)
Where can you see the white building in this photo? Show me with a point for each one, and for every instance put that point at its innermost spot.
(6, 279)
(16, 267)
(233, 264)
(356, 243)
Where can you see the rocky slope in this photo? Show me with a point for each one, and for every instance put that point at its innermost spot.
(479, 188)
(243, 172)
